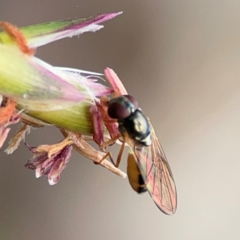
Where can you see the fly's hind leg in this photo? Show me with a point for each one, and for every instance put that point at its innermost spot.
(84, 148)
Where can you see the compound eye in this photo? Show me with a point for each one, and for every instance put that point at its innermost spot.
(133, 100)
(118, 111)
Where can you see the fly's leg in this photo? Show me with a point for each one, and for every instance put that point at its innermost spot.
(80, 145)
(99, 118)
(108, 154)
(98, 135)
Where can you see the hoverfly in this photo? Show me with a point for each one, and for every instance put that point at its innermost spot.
(148, 168)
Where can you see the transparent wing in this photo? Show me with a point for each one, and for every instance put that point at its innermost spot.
(157, 174)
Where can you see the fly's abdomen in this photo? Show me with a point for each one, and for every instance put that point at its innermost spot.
(134, 176)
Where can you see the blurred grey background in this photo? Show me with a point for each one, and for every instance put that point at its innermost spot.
(181, 60)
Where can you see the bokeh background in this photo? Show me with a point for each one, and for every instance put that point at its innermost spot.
(181, 59)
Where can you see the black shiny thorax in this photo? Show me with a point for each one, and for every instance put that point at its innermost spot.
(130, 118)
(137, 127)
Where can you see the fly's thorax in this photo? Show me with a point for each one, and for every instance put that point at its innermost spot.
(131, 119)
(137, 127)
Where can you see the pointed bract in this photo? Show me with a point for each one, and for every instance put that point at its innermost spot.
(44, 33)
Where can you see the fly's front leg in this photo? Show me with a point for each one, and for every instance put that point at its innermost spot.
(99, 117)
